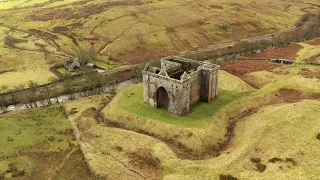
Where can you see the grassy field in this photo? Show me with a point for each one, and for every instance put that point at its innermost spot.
(261, 78)
(233, 83)
(274, 132)
(39, 144)
(130, 100)
(279, 141)
(207, 122)
(64, 71)
(20, 66)
(268, 132)
(270, 143)
(94, 139)
(309, 53)
(127, 32)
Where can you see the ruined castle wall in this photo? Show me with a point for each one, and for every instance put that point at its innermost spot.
(205, 93)
(201, 84)
(195, 86)
(214, 83)
(178, 92)
(187, 64)
(209, 84)
(170, 66)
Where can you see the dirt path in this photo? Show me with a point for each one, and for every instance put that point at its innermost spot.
(64, 161)
(78, 134)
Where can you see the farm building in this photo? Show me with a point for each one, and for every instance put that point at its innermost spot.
(282, 61)
(72, 65)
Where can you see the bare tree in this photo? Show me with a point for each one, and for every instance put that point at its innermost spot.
(84, 54)
(111, 82)
(3, 102)
(32, 93)
(18, 97)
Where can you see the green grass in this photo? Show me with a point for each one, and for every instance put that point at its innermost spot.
(30, 127)
(309, 54)
(286, 130)
(199, 111)
(105, 65)
(64, 71)
(28, 132)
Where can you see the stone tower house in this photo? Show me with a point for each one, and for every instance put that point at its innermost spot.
(178, 83)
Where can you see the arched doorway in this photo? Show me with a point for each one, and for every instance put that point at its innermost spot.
(162, 98)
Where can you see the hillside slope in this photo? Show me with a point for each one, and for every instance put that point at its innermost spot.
(132, 31)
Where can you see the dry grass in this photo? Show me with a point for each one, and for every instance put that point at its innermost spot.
(23, 66)
(36, 142)
(304, 84)
(230, 82)
(145, 27)
(131, 31)
(260, 79)
(267, 144)
(309, 54)
(272, 132)
(106, 153)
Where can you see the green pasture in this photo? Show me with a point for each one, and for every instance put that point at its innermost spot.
(131, 100)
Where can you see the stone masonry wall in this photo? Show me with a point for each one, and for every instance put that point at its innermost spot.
(178, 92)
(199, 84)
(195, 86)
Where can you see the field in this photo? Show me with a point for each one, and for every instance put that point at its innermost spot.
(285, 52)
(46, 32)
(269, 132)
(39, 144)
(309, 54)
(274, 134)
(131, 100)
(264, 124)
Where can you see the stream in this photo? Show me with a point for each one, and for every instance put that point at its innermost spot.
(64, 98)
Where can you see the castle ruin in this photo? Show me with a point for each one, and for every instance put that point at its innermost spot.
(178, 83)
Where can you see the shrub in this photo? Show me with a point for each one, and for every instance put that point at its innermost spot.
(224, 27)
(255, 160)
(275, 159)
(227, 177)
(10, 41)
(291, 160)
(144, 157)
(261, 167)
(304, 18)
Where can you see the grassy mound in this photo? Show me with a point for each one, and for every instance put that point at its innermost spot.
(260, 79)
(269, 144)
(301, 83)
(230, 82)
(265, 140)
(275, 143)
(129, 102)
(283, 138)
(309, 54)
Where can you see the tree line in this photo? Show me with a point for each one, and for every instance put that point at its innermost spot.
(307, 28)
(89, 83)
